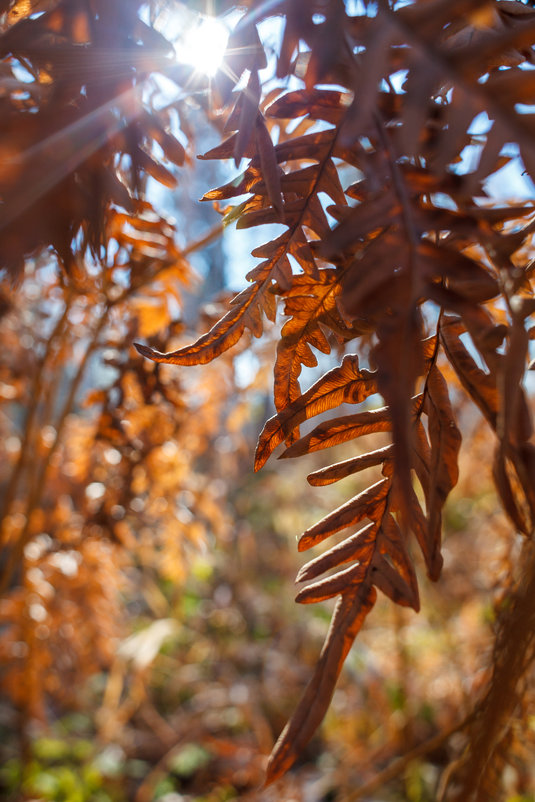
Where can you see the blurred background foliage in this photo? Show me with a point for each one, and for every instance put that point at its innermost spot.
(150, 647)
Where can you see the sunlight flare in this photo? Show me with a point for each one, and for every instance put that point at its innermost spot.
(203, 46)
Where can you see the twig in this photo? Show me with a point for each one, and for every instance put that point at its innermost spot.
(36, 491)
(211, 235)
(398, 765)
(34, 395)
(145, 791)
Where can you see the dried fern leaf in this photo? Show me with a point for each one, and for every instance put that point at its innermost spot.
(347, 620)
(507, 495)
(342, 582)
(364, 505)
(391, 542)
(445, 440)
(226, 333)
(340, 430)
(344, 384)
(356, 547)
(333, 473)
(480, 386)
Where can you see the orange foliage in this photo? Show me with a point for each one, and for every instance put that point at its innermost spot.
(405, 267)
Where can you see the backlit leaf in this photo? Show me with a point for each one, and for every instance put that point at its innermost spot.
(347, 620)
(345, 384)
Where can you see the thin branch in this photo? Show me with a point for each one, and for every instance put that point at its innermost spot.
(398, 766)
(146, 789)
(38, 486)
(34, 396)
(196, 245)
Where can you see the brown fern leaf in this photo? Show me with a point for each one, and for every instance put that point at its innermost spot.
(482, 389)
(381, 561)
(317, 104)
(355, 547)
(461, 59)
(292, 197)
(367, 547)
(391, 542)
(311, 304)
(308, 304)
(408, 237)
(244, 52)
(345, 384)
(445, 440)
(226, 333)
(378, 550)
(514, 457)
(480, 386)
(66, 142)
(325, 476)
(502, 473)
(365, 505)
(380, 537)
(340, 430)
(349, 615)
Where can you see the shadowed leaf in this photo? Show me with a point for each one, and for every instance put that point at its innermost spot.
(347, 620)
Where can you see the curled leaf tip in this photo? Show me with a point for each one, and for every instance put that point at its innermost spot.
(145, 350)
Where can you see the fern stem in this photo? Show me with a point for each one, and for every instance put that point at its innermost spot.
(399, 765)
(514, 653)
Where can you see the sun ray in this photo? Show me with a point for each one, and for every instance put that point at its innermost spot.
(74, 144)
(204, 45)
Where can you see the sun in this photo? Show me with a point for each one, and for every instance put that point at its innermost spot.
(203, 45)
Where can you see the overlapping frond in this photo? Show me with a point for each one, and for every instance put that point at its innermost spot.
(378, 550)
(375, 161)
(78, 136)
